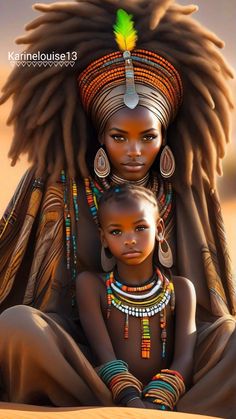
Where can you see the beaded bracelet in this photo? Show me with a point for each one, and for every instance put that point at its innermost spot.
(123, 385)
(165, 389)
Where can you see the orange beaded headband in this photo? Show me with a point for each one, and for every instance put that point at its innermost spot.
(140, 77)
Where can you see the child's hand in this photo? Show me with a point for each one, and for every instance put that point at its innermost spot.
(136, 403)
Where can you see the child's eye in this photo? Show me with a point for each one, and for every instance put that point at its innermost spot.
(149, 137)
(118, 138)
(141, 228)
(115, 232)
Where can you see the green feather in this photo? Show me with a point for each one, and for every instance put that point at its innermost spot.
(126, 34)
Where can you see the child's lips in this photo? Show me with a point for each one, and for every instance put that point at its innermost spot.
(131, 253)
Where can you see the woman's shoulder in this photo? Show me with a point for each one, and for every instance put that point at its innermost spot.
(184, 286)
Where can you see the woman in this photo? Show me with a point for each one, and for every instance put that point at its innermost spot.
(39, 262)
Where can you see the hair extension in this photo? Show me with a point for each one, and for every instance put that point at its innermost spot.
(185, 10)
(47, 96)
(41, 20)
(81, 155)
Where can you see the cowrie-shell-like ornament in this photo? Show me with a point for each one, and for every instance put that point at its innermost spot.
(167, 162)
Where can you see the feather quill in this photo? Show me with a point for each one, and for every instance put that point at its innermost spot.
(125, 33)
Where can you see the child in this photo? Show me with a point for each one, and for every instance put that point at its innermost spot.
(128, 315)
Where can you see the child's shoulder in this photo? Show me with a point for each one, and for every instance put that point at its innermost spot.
(88, 280)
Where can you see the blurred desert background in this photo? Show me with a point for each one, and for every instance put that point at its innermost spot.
(219, 16)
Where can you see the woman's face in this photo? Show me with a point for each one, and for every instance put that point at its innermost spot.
(132, 138)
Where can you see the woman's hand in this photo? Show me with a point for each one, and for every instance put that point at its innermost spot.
(149, 405)
(136, 403)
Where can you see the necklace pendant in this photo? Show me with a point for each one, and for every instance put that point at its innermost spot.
(126, 329)
(146, 338)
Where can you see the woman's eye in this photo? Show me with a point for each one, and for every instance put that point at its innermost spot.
(115, 232)
(149, 137)
(118, 138)
(141, 228)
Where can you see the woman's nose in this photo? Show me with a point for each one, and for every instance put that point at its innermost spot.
(134, 150)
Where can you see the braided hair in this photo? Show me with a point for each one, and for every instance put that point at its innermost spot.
(126, 193)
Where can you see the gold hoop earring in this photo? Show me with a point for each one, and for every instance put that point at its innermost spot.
(167, 162)
(107, 260)
(101, 165)
(164, 252)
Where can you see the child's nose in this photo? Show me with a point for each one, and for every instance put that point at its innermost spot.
(130, 241)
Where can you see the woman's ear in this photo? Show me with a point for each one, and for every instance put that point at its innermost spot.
(160, 229)
(163, 134)
(101, 138)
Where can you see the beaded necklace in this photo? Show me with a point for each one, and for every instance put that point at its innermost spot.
(70, 227)
(141, 182)
(136, 302)
(93, 192)
(163, 192)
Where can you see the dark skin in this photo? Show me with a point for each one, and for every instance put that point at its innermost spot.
(130, 235)
(132, 145)
(131, 135)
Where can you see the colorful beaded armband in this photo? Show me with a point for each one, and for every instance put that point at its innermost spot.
(123, 385)
(165, 389)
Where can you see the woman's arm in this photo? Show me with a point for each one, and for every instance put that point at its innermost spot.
(185, 328)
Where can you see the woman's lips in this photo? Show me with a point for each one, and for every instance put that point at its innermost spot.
(133, 167)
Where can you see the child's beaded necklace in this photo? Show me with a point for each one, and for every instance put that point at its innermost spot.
(136, 302)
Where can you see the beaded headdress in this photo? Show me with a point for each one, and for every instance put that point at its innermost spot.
(136, 76)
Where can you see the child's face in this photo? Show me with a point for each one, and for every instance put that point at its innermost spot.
(129, 230)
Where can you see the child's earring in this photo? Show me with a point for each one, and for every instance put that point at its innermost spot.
(107, 260)
(164, 251)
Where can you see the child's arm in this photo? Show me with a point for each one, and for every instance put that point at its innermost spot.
(90, 313)
(88, 294)
(167, 386)
(185, 328)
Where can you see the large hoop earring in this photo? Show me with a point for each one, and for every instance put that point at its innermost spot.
(101, 165)
(164, 252)
(107, 260)
(167, 162)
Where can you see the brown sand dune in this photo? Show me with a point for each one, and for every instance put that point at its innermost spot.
(35, 412)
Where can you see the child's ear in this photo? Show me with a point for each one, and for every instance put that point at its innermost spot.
(160, 229)
(102, 237)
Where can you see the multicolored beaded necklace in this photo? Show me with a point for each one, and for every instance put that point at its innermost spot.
(163, 191)
(93, 190)
(136, 302)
